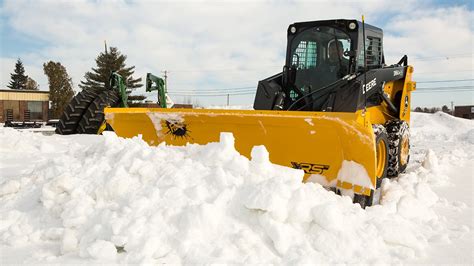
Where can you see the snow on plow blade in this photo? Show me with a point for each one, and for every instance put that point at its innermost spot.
(317, 142)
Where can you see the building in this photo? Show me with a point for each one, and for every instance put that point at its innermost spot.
(24, 105)
(466, 111)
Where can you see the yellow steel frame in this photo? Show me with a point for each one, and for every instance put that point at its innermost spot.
(380, 114)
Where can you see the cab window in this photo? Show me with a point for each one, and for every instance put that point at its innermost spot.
(306, 54)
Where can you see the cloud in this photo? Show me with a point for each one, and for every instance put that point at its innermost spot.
(219, 44)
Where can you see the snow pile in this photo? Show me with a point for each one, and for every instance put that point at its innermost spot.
(105, 199)
(441, 127)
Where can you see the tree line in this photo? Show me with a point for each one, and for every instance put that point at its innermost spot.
(61, 86)
(433, 110)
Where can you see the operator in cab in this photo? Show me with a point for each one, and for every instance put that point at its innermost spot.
(336, 63)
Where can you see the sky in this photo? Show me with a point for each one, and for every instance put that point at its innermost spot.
(209, 46)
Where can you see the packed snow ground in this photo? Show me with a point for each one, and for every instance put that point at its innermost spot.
(104, 199)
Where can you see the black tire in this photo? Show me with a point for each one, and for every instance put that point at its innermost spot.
(364, 201)
(398, 136)
(381, 137)
(93, 118)
(74, 111)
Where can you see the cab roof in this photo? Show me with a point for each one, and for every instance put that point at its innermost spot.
(343, 23)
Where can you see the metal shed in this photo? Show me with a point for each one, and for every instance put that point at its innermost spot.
(24, 105)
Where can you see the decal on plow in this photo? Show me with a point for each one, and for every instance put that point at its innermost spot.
(177, 129)
(310, 168)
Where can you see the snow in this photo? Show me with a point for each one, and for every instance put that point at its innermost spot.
(355, 174)
(103, 199)
(322, 180)
(309, 121)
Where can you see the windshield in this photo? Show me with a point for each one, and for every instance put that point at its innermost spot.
(318, 55)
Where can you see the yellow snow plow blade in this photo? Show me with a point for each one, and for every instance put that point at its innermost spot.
(317, 142)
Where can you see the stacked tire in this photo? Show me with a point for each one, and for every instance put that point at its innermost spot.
(85, 113)
(94, 116)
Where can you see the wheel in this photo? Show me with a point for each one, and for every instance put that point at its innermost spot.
(399, 147)
(93, 121)
(382, 154)
(74, 111)
(381, 146)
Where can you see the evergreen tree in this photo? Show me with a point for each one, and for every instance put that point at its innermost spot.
(60, 87)
(19, 78)
(445, 109)
(31, 84)
(107, 62)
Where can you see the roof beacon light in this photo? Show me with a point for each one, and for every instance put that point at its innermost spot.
(352, 26)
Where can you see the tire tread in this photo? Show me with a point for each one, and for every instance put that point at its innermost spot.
(94, 115)
(74, 111)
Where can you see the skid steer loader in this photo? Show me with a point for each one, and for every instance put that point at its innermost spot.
(336, 111)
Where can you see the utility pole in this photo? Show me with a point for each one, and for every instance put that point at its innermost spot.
(452, 108)
(166, 80)
(228, 99)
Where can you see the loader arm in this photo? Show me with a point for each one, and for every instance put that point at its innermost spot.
(117, 83)
(156, 83)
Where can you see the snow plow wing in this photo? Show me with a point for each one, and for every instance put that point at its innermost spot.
(316, 142)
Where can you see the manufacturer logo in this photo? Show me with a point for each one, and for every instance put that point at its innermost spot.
(397, 73)
(177, 129)
(367, 87)
(310, 168)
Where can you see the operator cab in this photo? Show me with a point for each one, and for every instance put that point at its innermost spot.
(319, 54)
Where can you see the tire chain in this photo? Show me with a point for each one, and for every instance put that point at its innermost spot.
(74, 111)
(378, 129)
(395, 130)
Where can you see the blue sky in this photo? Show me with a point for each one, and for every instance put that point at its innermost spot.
(15, 43)
(214, 46)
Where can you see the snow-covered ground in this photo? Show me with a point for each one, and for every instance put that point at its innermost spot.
(103, 199)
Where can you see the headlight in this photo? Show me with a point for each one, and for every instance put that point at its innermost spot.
(352, 26)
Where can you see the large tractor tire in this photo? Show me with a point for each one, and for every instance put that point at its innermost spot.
(399, 147)
(382, 148)
(93, 121)
(74, 111)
